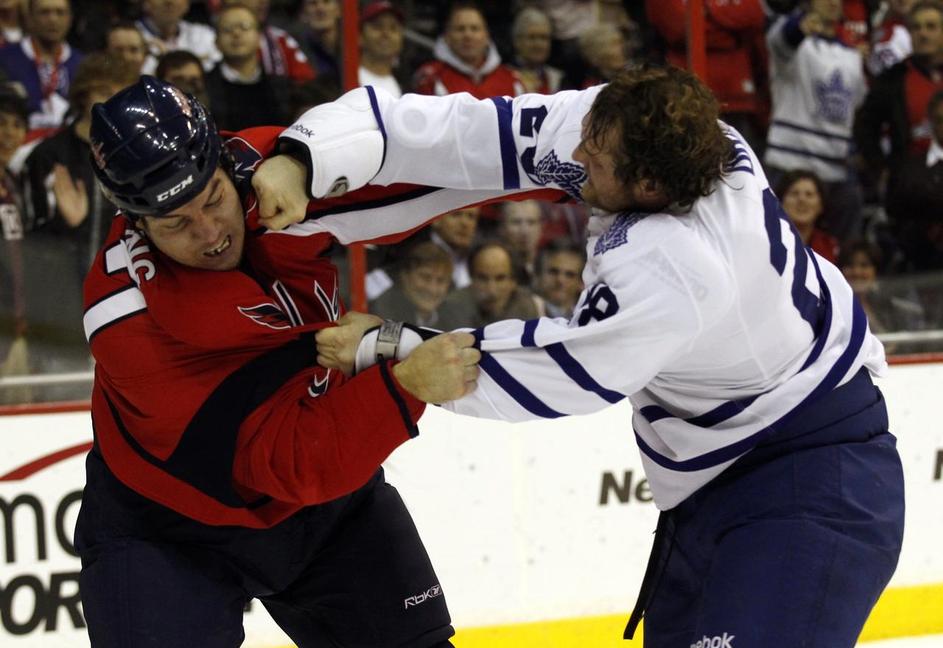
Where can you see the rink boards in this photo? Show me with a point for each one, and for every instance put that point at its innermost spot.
(539, 532)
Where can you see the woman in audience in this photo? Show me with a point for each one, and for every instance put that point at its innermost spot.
(803, 197)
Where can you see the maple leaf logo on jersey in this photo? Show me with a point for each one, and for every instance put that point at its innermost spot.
(566, 175)
(834, 98)
(266, 314)
(245, 156)
(617, 234)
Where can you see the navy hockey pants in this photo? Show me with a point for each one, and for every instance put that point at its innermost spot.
(351, 573)
(793, 545)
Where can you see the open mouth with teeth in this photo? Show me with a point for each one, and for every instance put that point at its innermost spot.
(219, 249)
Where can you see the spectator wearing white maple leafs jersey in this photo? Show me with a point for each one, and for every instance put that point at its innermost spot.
(817, 82)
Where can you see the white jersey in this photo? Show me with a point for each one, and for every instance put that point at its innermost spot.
(816, 88)
(716, 323)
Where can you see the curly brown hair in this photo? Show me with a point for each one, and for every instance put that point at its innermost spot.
(668, 131)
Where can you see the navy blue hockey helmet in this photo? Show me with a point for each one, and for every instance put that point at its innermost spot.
(154, 148)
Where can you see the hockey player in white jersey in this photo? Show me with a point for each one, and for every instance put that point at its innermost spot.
(746, 357)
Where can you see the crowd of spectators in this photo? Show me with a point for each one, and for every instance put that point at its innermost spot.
(842, 99)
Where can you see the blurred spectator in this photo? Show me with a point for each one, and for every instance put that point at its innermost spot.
(124, 40)
(887, 312)
(520, 230)
(165, 30)
(11, 21)
(817, 81)
(381, 43)
(321, 34)
(184, 70)
(241, 94)
(736, 56)
(13, 355)
(890, 38)
(494, 293)
(803, 198)
(66, 220)
(531, 35)
(569, 19)
(44, 64)
(560, 276)
(896, 106)
(421, 285)
(455, 233)
(466, 59)
(915, 200)
(603, 50)
(281, 54)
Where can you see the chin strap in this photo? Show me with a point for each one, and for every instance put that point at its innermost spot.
(389, 341)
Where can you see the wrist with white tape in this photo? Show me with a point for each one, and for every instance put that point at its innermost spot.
(389, 341)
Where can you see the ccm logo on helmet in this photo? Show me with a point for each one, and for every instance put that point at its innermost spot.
(177, 188)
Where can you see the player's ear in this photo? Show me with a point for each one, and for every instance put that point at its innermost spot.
(651, 193)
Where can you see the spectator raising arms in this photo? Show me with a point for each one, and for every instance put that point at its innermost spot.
(44, 64)
(817, 82)
(466, 59)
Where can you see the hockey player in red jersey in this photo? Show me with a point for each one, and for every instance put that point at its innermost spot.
(227, 464)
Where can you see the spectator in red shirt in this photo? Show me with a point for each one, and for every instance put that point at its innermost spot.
(803, 197)
(466, 59)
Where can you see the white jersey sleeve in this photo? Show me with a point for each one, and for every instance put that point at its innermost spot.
(650, 301)
(455, 141)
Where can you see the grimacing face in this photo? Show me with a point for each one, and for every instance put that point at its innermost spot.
(603, 189)
(207, 233)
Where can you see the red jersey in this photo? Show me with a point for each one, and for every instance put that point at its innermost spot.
(282, 56)
(207, 397)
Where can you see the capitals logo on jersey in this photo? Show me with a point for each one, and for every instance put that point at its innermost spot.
(266, 314)
(245, 159)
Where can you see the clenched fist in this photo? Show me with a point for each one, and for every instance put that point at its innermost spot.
(440, 369)
(280, 184)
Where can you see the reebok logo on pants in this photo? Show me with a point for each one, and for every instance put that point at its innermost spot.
(720, 641)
